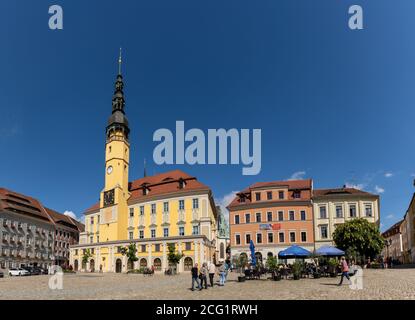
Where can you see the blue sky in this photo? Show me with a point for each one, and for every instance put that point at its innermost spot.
(333, 104)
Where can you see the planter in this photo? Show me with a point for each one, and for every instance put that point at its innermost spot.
(241, 279)
(296, 277)
(316, 275)
(276, 277)
(333, 275)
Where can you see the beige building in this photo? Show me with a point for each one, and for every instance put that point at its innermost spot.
(336, 206)
(393, 242)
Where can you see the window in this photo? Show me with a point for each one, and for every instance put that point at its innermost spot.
(259, 238)
(76, 252)
(281, 195)
(195, 230)
(258, 217)
(352, 210)
(99, 219)
(131, 235)
(258, 196)
(270, 237)
(153, 208)
(237, 239)
(323, 212)
(368, 210)
(269, 216)
(181, 231)
(143, 248)
(157, 248)
(196, 203)
(153, 233)
(92, 222)
(165, 207)
(248, 239)
(297, 194)
(339, 211)
(282, 237)
(237, 219)
(141, 210)
(247, 218)
(292, 215)
(269, 195)
(303, 215)
(181, 204)
(141, 234)
(91, 239)
(292, 236)
(303, 236)
(324, 232)
(188, 246)
(131, 212)
(280, 215)
(166, 232)
(97, 240)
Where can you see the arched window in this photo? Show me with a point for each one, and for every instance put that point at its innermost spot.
(143, 263)
(188, 264)
(92, 265)
(157, 264)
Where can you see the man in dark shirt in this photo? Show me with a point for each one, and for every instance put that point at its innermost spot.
(195, 277)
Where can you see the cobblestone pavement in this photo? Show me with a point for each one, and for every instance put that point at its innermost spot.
(378, 284)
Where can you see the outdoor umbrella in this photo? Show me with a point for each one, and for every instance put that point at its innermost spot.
(253, 257)
(294, 252)
(330, 251)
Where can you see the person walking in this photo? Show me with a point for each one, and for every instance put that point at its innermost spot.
(345, 270)
(195, 277)
(222, 275)
(212, 270)
(203, 275)
(226, 271)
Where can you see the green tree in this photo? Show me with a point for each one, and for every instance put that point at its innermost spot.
(173, 257)
(272, 263)
(130, 252)
(86, 256)
(360, 237)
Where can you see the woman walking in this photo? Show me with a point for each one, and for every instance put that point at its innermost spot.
(203, 275)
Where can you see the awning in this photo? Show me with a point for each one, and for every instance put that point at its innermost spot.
(330, 251)
(294, 252)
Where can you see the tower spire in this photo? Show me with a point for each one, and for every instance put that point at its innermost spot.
(120, 61)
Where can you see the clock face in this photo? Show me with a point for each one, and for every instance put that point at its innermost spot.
(109, 170)
(109, 198)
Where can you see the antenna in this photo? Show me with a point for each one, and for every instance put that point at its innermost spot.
(120, 61)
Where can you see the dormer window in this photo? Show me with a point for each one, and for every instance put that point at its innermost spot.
(258, 196)
(182, 183)
(297, 194)
(242, 199)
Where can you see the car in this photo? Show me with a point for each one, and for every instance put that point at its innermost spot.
(18, 272)
(33, 270)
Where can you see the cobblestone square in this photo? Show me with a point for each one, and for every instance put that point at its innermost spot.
(378, 284)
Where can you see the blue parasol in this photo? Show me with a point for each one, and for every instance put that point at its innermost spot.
(330, 251)
(253, 257)
(294, 252)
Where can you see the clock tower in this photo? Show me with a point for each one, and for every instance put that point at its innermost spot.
(113, 201)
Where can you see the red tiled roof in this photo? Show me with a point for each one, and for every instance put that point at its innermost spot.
(160, 184)
(21, 204)
(392, 230)
(340, 191)
(291, 184)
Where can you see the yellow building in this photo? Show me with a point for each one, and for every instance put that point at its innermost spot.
(152, 212)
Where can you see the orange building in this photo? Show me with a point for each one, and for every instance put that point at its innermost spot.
(275, 215)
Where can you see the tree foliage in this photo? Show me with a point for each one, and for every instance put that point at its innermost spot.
(130, 252)
(172, 256)
(86, 256)
(359, 236)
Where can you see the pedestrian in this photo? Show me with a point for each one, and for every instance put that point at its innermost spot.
(203, 275)
(345, 270)
(222, 275)
(226, 270)
(195, 277)
(212, 270)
